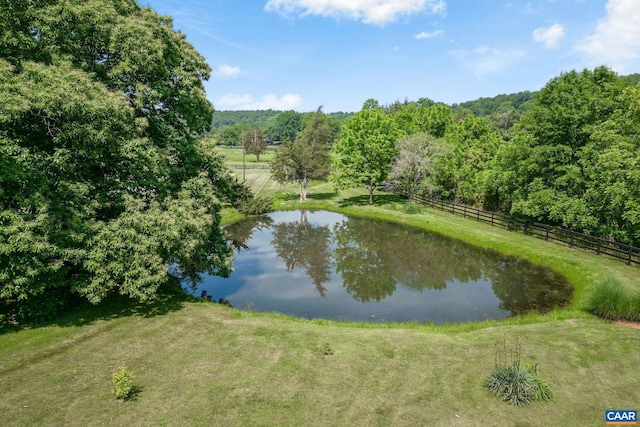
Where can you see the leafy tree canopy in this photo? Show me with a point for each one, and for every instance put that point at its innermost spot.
(105, 182)
(554, 165)
(307, 157)
(413, 168)
(366, 149)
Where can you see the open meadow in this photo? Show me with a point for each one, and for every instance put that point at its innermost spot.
(201, 363)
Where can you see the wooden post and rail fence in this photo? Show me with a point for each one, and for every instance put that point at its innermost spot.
(629, 254)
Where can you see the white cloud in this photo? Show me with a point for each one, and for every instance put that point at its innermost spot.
(616, 41)
(432, 35)
(378, 12)
(225, 70)
(486, 60)
(232, 101)
(549, 36)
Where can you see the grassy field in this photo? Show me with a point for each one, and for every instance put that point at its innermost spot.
(199, 363)
(234, 155)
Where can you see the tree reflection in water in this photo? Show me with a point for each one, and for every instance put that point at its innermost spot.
(372, 261)
(306, 246)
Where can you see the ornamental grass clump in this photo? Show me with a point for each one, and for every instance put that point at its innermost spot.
(514, 383)
(611, 300)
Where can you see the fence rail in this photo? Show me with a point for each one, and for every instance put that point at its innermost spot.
(250, 166)
(621, 251)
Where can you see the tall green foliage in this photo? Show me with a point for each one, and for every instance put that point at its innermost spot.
(614, 176)
(307, 157)
(104, 180)
(366, 149)
(570, 161)
(285, 125)
(413, 169)
(461, 174)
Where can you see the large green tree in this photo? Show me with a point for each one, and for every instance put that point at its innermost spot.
(365, 152)
(614, 170)
(462, 172)
(104, 180)
(307, 157)
(253, 142)
(547, 168)
(232, 135)
(285, 126)
(413, 168)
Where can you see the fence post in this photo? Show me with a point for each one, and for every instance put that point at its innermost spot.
(464, 211)
(526, 227)
(491, 218)
(630, 253)
(546, 237)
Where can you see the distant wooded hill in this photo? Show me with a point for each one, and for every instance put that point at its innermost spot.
(260, 118)
(479, 107)
(487, 106)
(264, 118)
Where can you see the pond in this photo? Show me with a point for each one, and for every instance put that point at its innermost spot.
(327, 265)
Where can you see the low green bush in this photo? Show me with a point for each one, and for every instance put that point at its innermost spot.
(122, 379)
(256, 205)
(48, 305)
(513, 382)
(412, 208)
(611, 300)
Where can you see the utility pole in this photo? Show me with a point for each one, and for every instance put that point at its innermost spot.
(244, 166)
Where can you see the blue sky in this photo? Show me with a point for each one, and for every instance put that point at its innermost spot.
(299, 54)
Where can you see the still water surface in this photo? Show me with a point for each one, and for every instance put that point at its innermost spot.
(327, 265)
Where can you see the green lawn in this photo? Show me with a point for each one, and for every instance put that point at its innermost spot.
(203, 364)
(200, 363)
(234, 155)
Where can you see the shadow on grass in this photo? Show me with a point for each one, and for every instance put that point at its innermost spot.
(378, 200)
(134, 394)
(169, 298)
(294, 197)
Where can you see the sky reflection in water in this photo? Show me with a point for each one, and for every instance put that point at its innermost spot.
(326, 265)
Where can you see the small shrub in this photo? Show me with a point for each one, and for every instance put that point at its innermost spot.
(513, 382)
(543, 388)
(256, 205)
(122, 379)
(634, 310)
(611, 300)
(412, 208)
(325, 349)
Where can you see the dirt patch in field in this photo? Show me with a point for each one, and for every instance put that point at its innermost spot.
(632, 325)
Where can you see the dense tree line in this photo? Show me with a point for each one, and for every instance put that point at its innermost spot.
(487, 106)
(104, 179)
(259, 118)
(276, 126)
(571, 158)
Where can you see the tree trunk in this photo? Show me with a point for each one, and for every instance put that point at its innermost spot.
(371, 188)
(304, 184)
